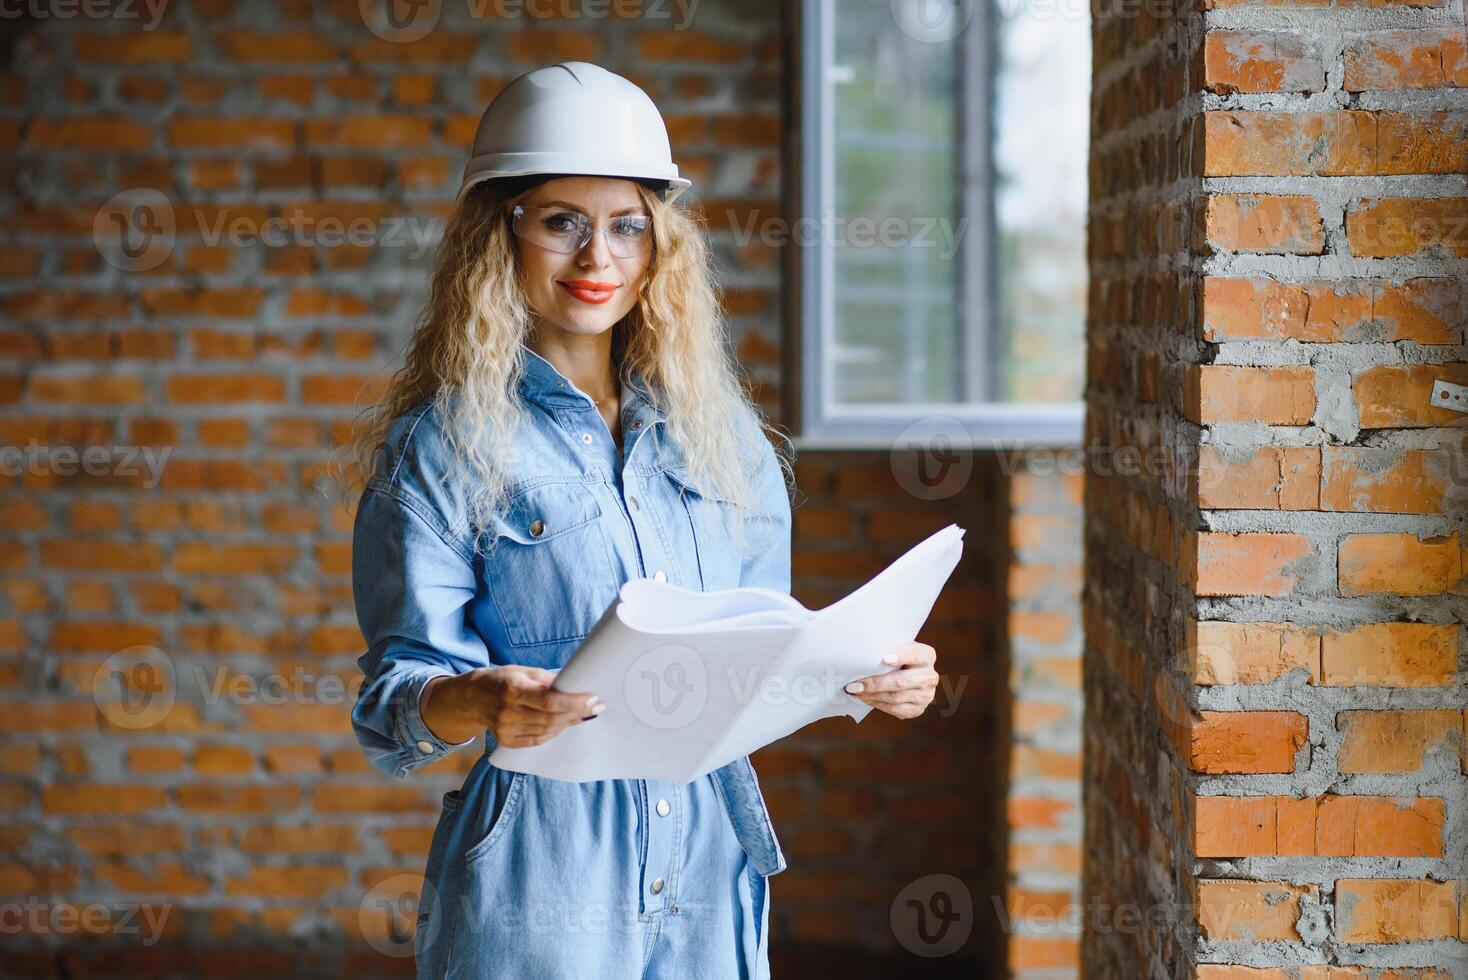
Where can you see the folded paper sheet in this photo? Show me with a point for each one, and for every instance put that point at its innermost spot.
(694, 680)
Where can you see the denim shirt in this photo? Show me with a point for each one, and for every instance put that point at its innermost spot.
(584, 517)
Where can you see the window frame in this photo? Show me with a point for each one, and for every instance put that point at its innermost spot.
(807, 176)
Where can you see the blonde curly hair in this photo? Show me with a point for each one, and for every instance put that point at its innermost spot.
(465, 354)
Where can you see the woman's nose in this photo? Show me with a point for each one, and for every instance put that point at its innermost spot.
(595, 252)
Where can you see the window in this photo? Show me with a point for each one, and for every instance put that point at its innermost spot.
(938, 262)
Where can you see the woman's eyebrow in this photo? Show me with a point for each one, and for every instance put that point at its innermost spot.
(579, 210)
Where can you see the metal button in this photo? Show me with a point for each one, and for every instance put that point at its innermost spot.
(632, 502)
(637, 423)
(657, 885)
(663, 808)
(537, 528)
(660, 575)
(426, 748)
(586, 438)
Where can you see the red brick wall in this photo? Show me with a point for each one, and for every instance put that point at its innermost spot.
(1274, 690)
(1044, 806)
(255, 825)
(258, 827)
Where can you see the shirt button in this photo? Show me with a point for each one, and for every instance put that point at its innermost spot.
(537, 528)
(632, 502)
(657, 885)
(426, 748)
(586, 438)
(660, 575)
(663, 808)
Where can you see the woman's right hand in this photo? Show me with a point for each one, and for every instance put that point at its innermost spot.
(514, 703)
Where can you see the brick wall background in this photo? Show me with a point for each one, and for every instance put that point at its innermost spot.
(230, 799)
(1274, 606)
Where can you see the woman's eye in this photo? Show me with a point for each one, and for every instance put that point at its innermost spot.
(561, 222)
(631, 227)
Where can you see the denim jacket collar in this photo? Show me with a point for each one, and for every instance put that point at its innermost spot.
(544, 383)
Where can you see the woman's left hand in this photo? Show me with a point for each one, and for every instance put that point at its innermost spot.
(905, 692)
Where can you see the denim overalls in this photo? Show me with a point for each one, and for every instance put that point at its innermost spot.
(530, 878)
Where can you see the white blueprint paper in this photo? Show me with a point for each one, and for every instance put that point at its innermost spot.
(694, 680)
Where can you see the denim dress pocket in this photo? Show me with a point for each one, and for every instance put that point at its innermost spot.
(548, 569)
(428, 932)
(710, 517)
(505, 787)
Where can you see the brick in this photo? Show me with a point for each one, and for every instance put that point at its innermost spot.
(142, 47)
(1248, 653)
(291, 881)
(690, 46)
(1397, 741)
(100, 798)
(292, 47)
(1331, 825)
(1400, 226)
(1282, 395)
(1273, 224)
(310, 839)
(199, 389)
(437, 48)
(102, 133)
(1386, 910)
(1246, 741)
(1384, 481)
(1422, 143)
(1258, 911)
(1267, 478)
(232, 133)
(167, 878)
(1401, 564)
(220, 798)
(1379, 826)
(1247, 564)
(118, 389)
(1389, 655)
(1327, 144)
(1418, 57)
(1261, 61)
(1391, 396)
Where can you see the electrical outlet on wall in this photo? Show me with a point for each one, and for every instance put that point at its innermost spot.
(1445, 394)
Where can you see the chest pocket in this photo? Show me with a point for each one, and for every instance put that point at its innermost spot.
(548, 570)
(710, 518)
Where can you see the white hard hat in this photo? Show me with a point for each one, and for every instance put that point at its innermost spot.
(572, 118)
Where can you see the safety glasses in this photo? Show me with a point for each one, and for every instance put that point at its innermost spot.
(562, 230)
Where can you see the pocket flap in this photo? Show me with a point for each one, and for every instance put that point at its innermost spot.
(679, 475)
(543, 513)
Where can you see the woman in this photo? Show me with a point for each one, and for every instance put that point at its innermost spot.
(568, 418)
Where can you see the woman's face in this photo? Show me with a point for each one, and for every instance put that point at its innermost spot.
(589, 290)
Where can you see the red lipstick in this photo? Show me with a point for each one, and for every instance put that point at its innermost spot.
(588, 290)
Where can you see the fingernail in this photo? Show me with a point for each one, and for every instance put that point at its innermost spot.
(855, 687)
(889, 659)
(598, 709)
(591, 705)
